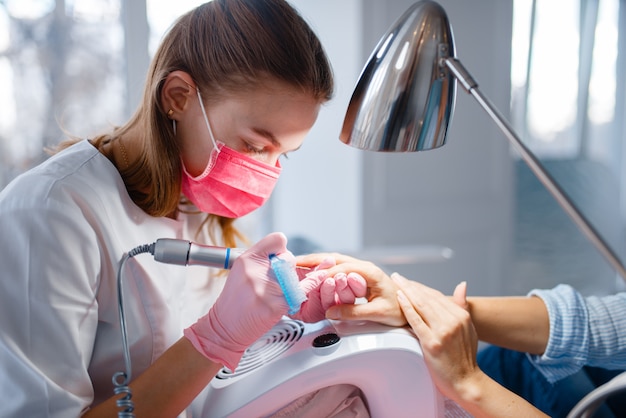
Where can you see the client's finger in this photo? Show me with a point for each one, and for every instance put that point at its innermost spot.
(313, 260)
(460, 295)
(378, 310)
(412, 316)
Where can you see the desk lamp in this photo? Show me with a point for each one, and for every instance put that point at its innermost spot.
(405, 96)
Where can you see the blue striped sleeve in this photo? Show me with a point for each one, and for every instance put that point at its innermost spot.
(583, 331)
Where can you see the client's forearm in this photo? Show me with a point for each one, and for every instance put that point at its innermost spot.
(518, 323)
(482, 397)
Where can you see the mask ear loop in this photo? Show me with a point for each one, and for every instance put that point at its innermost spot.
(206, 119)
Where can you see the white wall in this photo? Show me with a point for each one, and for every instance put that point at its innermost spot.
(319, 193)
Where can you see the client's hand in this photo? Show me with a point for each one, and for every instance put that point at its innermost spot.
(382, 303)
(446, 333)
(250, 304)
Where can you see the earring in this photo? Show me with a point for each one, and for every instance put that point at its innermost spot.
(174, 126)
(170, 113)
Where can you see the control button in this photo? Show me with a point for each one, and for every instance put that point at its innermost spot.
(326, 340)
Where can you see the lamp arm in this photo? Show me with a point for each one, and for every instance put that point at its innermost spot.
(589, 404)
(471, 87)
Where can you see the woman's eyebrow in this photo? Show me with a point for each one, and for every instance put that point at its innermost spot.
(268, 135)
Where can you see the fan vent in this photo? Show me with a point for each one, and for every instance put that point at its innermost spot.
(271, 345)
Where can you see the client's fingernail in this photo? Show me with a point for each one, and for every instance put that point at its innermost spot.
(333, 313)
(395, 277)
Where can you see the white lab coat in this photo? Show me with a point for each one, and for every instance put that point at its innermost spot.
(64, 227)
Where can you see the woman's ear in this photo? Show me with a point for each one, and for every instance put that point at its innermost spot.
(177, 90)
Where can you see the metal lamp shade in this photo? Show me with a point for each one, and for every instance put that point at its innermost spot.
(404, 98)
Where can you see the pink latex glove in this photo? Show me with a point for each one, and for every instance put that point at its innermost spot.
(323, 291)
(251, 303)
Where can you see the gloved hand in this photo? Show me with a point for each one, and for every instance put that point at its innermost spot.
(323, 291)
(251, 303)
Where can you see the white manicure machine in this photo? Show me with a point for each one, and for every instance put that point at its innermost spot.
(295, 359)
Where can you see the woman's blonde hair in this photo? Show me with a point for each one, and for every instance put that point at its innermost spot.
(226, 46)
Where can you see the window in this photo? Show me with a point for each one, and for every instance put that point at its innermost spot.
(161, 17)
(564, 77)
(568, 87)
(63, 70)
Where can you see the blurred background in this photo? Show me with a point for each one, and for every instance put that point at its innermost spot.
(468, 211)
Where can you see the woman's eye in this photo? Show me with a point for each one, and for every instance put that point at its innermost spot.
(254, 150)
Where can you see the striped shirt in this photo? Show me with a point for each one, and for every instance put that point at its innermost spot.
(584, 331)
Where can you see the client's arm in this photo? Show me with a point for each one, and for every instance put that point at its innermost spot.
(449, 343)
(518, 323)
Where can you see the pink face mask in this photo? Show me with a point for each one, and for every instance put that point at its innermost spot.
(232, 184)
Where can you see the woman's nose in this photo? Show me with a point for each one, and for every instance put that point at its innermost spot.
(272, 159)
